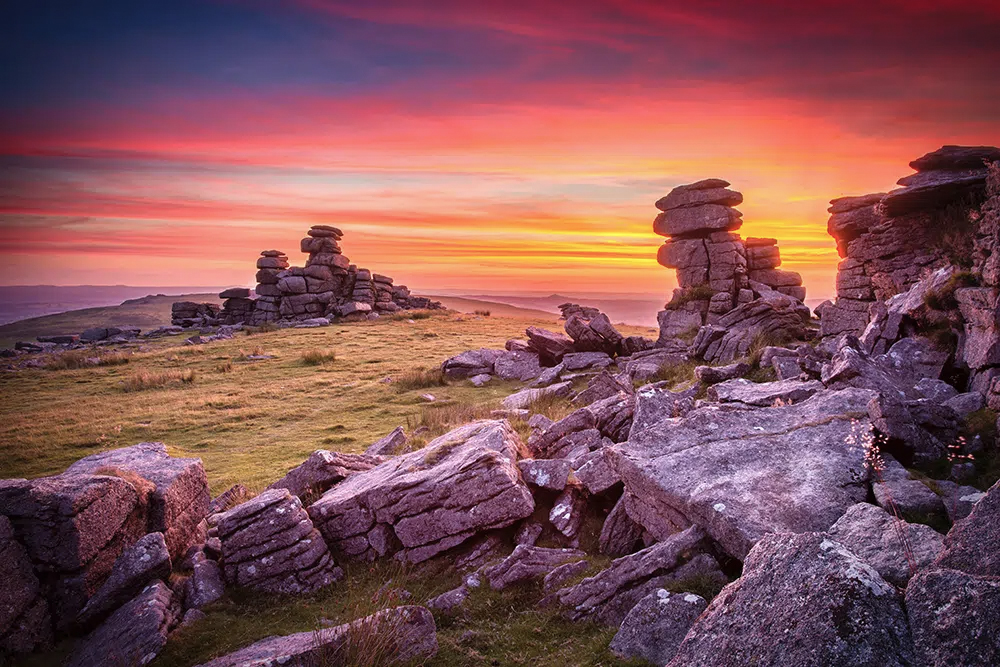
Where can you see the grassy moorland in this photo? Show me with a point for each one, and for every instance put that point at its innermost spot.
(339, 388)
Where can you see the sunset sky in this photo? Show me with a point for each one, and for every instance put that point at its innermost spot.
(481, 146)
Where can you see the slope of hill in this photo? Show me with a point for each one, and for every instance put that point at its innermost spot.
(19, 302)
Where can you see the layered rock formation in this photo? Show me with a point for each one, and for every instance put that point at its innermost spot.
(717, 271)
(889, 241)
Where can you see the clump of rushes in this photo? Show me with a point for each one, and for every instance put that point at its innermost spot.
(144, 380)
(420, 378)
(318, 357)
(73, 359)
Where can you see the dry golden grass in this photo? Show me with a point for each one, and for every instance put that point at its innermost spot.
(318, 357)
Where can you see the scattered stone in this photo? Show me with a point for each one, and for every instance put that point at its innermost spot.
(550, 347)
(656, 626)
(390, 445)
(898, 492)
(717, 374)
(471, 363)
(480, 380)
(204, 586)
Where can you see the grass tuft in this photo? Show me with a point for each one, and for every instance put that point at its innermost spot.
(420, 378)
(74, 359)
(144, 380)
(318, 357)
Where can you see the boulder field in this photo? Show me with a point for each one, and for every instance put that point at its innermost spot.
(797, 496)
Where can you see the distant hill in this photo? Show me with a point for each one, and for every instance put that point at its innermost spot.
(145, 312)
(638, 309)
(19, 302)
(471, 305)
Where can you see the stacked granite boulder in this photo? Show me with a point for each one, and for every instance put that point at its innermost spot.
(308, 292)
(888, 242)
(717, 271)
(268, 302)
(237, 306)
(190, 314)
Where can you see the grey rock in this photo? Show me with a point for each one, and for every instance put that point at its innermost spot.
(654, 404)
(596, 472)
(471, 363)
(550, 347)
(697, 220)
(180, 498)
(133, 635)
(656, 626)
(525, 397)
(526, 563)
(430, 500)
(973, 544)
(204, 586)
(521, 366)
(776, 614)
(568, 511)
(545, 473)
(579, 361)
(620, 535)
(564, 573)
(876, 537)
(966, 403)
(480, 380)
(933, 189)
(322, 470)
(954, 618)
(528, 533)
(406, 635)
(717, 374)
(269, 544)
(897, 492)
(956, 157)
(394, 443)
(935, 390)
(24, 613)
(764, 393)
(609, 595)
(958, 500)
(230, 498)
(708, 191)
(743, 473)
(142, 563)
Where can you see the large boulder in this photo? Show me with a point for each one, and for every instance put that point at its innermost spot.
(73, 527)
(133, 635)
(269, 544)
(521, 366)
(142, 563)
(396, 636)
(322, 470)
(744, 473)
(802, 600)
(550, 347)
(697, 220)
(471, 362)
(24, 612)
(707, 191)
(895, 548)
(180, 498)
(428, 501)
(954, 617)
(656, 626)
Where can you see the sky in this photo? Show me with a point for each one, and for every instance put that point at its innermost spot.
(470, 145)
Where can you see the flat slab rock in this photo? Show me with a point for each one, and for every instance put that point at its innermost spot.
(428, 501)
(743, 473)
(180, 500)
(133, 635)
(803, 599)
(526, 563)
(270, 544)
(764, 394)
(656, 626)
(407, 634)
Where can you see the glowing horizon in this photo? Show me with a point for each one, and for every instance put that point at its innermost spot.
(493, 148)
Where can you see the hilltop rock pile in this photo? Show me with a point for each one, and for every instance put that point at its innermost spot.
(717, 271)
(889, 241)
(267, 305)
(189, 314)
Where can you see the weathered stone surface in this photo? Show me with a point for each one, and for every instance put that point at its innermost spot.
(697, 220)
(956, 157)
(73, 526)
(954, 618)
(133, 635)
(142, 563)
(521, 366)
(564, 573)
(24, 612)
(656, 626)
(567, 512)
(545, 473)
(764, 393)
(696, 195)
(596, 472)
(322, 470)
(609, 595)
(177, 504)
(743, 473)
(654, 404)
(644, 366)
(717, 374)
(398, 636)
(802, 600)
(773, 314)
(579, 361)
(430, 500)
(204, 586)
(933, 189)
(269, 544)
(527, 563)
(471, 362)
(973, 544)
(876, 537)
(525, 397)
(392, 444)
(897, 492)
(675, 322)
(229, 498)
(549, 346)
(620, 535)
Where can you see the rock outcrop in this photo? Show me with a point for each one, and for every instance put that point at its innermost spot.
(24, 612)
(656, 626)
(420, 504)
